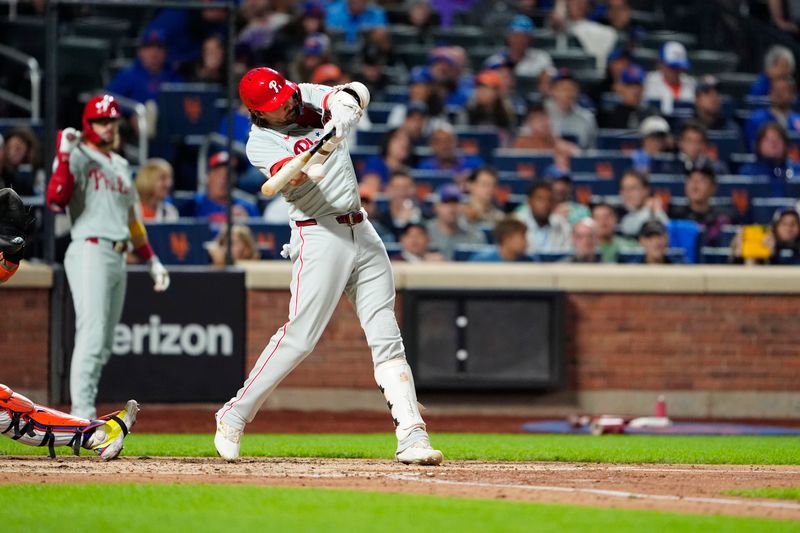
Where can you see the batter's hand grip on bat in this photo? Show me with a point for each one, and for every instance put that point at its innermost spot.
(291, 169)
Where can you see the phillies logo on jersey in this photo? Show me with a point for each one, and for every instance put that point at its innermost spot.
(302, 145)
(114, 185)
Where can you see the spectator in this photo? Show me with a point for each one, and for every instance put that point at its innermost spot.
(564, 200)
(566, 116)
(637, 203)
(140, 80)
(213, 203)
(708, 107)
(520, 55)
(617, 15)
(784, 239)
(548, 232)
(354, 16)
(210, 66)
(781, 18)
(482, 187)
(402, 207)
(154, 183)
(448, 228)
(617, 62)
(241, 126)
(375, 57)
(772, 159)
(655, 134)
(243, 245)
(782, 96)
(629, 112)
(488, 107)
(536, 132)
(653, 239)
(609, 243)
(420, 91)
(670, 83)
(19, 163)
(316, 52)
(415, 245)
(394, 155)
(264, 35)
(508, 83)
(416, 122)
(562, 160)
(700, 187)
(182, 31)
(692, 148)
(509, 234)
(778, 63)
(585, 241)
(367, 194)
(422, 17)
(446, 156)
(596, 39)
(454, 86)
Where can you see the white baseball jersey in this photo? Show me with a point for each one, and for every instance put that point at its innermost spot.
(268, 149)
(104, 193)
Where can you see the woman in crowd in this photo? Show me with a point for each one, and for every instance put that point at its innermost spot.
(154, 183)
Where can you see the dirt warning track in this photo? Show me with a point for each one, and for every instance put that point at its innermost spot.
(678, 488)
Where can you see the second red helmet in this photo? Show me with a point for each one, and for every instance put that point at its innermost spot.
(264, 89)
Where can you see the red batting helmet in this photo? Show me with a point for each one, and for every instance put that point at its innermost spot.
(103, 106)
(263, 89)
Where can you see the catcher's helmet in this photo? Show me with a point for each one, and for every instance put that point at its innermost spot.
(102, 106)
(264, 89)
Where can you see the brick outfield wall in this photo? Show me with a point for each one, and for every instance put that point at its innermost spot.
(24, 340)
(619, 341)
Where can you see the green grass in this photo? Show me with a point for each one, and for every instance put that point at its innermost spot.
(779, 493)
(485, 447)
(227, 508)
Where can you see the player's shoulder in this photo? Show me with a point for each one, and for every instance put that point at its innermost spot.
(263, 144)
(118, 160)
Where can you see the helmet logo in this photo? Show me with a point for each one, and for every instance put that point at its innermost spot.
(274, 86)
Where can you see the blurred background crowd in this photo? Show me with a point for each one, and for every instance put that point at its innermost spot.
(633, 131)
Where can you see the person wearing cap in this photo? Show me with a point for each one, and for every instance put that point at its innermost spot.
(415, 245)
(521, 56)
(354, 16)
(782, 97)
(213, 203)
(670, 83)
(446, 155)
(772, 159)
(447, 69)
(316, 51)
(700, 187)
(449, 228)
(566, 116)
(654, 240)
(511, 244)
(638, 203)
(618, 60)
(708, 107)
(548, 232)
(488, 107)
(141, 79)
(421, 98)
(778, 63)
(630, 111)
(692, 147)
(655, 136)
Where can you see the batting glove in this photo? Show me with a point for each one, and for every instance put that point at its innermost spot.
(68, 140)
(159, 274)
(345, 113)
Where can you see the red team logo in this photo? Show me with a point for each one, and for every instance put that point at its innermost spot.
(113, 185)
(302, 145)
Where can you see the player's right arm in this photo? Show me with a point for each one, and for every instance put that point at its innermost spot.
(62, 182)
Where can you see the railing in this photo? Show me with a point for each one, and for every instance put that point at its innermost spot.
(33, 106)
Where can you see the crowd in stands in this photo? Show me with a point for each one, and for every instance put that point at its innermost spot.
(433, 191)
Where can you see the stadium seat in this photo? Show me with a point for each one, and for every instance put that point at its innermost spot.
(270, 237)
(645, 58)
(180, 243)
(463, 252)
(764, 208)
(468, 37)
(81, 62)
(736, 84)
(527, 164)
(654, 39)
(712, 62)
(25, 34)
(715, 255)
(379, 112)
(187, 109)
(684, 234)
(572, 59)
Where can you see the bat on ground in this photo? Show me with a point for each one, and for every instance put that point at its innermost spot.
(290, 170)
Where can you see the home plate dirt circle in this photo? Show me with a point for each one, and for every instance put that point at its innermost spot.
(677, 488)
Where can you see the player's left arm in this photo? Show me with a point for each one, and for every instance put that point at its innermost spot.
(142, 248)
(343, 104)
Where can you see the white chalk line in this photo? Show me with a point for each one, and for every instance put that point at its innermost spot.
(601, 492)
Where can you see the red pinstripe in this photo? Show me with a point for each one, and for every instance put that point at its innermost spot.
(277, 344)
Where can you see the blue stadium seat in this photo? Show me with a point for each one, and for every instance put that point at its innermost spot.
(614, 139)
(602, 186)
(764, 208)
(187, 109)
(463, 252)
(379, 112)
(715, 255)
(551, 257)
(526, 163)
(270, 237)
(606, 164)
(180, 243)
(676, 255)
(754, 185)
(683, 235)
(478, 140)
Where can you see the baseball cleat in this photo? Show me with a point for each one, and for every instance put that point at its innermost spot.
(227, 441)
(111, 435)
(420, 453)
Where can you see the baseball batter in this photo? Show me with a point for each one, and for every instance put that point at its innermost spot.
(21, 419)
(333, 250)
(95, 184)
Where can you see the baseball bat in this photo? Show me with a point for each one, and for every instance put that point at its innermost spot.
(290, 170)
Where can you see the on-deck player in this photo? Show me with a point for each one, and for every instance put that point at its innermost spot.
(36, 425)
(95, 183)
(333, 250)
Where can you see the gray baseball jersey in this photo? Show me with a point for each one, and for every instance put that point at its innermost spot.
(104, 194)
(268, 149)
